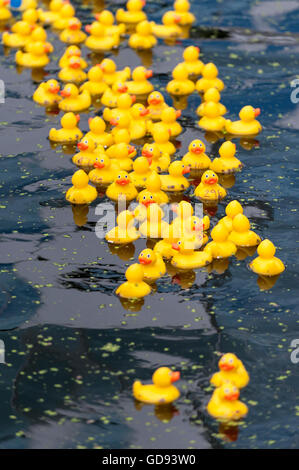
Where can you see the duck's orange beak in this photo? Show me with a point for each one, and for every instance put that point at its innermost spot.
(196, 228)
(175, 246)
(88, 28)
(99, 165)
(144, 112)
(122, 89)
(169, 132)
(186, 170)
(211, 181)
(54, 89)
(122, 182)
(143, 2)
(225, 366)
(97, 16)
(149, 74)
(102, 67)
(146, 153)
(257, 112)
(75, 65)
(197, 150)
(144, 261)
(177, 19)
(233, 396)
(133, 98)
(113, 122)
(175, 376)
(154, 101)
(65, 94)
(77, 116)
(6, 2)
(131, 149)
(74, 26)
(197, 48)
(47, 48)
(178, 113)
(82, 146)
(148, 202)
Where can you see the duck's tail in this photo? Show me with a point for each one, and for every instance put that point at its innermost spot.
(136, 388)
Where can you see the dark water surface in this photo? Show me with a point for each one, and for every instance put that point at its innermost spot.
(72, 349)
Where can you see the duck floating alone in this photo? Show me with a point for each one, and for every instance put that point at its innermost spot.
(134, 287)
(248, 125)
(81, 192)
(161, 391)
(231, 369)
(69, 132)
(266, 264)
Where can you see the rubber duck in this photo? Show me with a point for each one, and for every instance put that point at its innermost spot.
(124, 103)
(212, 94)
(141, 171)
(110, 95)
(186, 258)
(224, 403)
(20, 36)
(158, 160)
(72, 34)
(66, 13)
(95, 84)
(49, 16)
(192, 62)
(139, 85)
(241, 235)
(196, 158)
(180, 85)
(156, 104)
(111, 75)
(154, 226)
(231, 369)
(5, 13)
(86, 157)
(169, 27)
(134, 287)
(36, 57)
(46, 93)
(69, 131)
(183, 211)
(209, 79)
(195, 229)
(221, 246)
(72, 72)
(121, 122)
(161, 391)
(125, 231)
(266, 264)
(164, 246)
(98, 40)
(247, 125)
(30, 15)
(106, 18)
(81, 192)
(161, 139)
(181, 9)
(138, 126)
(73, 100)
(211, 120)
(169, 118)
(105, 170)
(231, 210)
(153, 265)
(227, 163)
(133, 14)
(97, 132)
(122, 188)
(143, 38)
(153, 188)
(123, 154)
(209, 189)
(69, 52)
(175, 181)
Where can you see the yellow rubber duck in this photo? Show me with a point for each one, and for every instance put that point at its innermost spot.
(161, 137)
(139, 85)
(211, 120)
(209, 189)
(231, 210)
(209, 79)
(95, 84)
(183, 211)
(231, 370)
(186, 258)
(5, 13)
(69, 132)
(86, 157)
(105, 170)
(46, 93)
(161, 391)
(143, 38)
(106, 18)
(154, 226)
(111, 74)
(192, 62)
(221, 246)
(39, 35)
(49, 16)
(180, 85)
(122, 188)
(97, 132)
(164, 246)
(196, 158)
(138, 125)
(20, 36)
(110, 95)
(153, 188)
(73, 100)
(266, 264)
(134, 287)
(81, 192)
(169, 118)
(133, 14)
(158, 160)
(72, 72)
(119, 123)
(141, 171)
(247, 125)
(169, 27)
(69, 52)
(227, 163)
(152, 264)
(30, 15)
(72, 34)
(98, 40)
(66, 13)
(125, 231)
(181, 9)
(156, 104)
(123, 154)
(241, 235)
(195, 230)
(36, 57)
(188, 226)
(175, 181)
(124, 103)
(212, 94)
(224, 403)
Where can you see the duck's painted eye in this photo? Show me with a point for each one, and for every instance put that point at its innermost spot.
(151, 197)
(230, 361)
(119, 177)
(86, 142)
(117, 118)
(144, 198)
(102, 161)
(148, 256)
(226, 390)
(179, 243)
(193, 145)
(151, 149)
(126, 177)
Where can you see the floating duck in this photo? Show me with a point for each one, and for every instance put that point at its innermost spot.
(105, 170)
(69, 132)
(95, 84)
(231, 370)
(69, 52)
(196, 158)
(133, 14)
(122, 188)
(169, 118)
(224, 403)
(209, 79)
(152, 264)
(141, 171)
(124, 103)
(227, 163)
(143, 39)
(134, 287)
(72, 34)
(192, 62)
(97, 132)
(183, 211)
(111, 75)
(181, 9)
(139, 85)
(161, 391)
(209, 189)
(5, 13)
(87, 156)
(195, 230)
(49, 16)
(153, 188)
(241, 235)
(180, 85)
(221, 246)
(212, 94)
(231, 210)
(106, 18)
(175, 181)
(39, 35)
(125, 231)
(20, 37)
(266, 264)
(123, 154)
(46, 93)
(186, 258)
(81, 192)
(164, 247)
(158, 160)
(36, 57)
(66, 13)
(138, 126)
(98, 40)
(156, 104)
(109, 98)
(211, 120)
(73, 100)
(247, 125)
(169, 28)
(72, 72)
(154, 226)
(120, 123)
(161, 138)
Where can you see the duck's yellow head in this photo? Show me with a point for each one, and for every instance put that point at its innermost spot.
(122, 178)
(38, 48)
(30, 16)
(122, 136)
(153, 182)
(184, 246)
(125, 150)
(248, 113)
(233, 208)
(182, 6)
(147, 198)
(124, 218)
(97, 125)
(212, 94)
(228, 391)
(164, 377)
(141, 165)
(151, 151)
(102, 161)
(67, 11)
(144, 28)
(23, 28)
(169, 19)
(121, 122)
(219, 233)
(266, 249)
(147, 256)
(227, 149)
(191, 54)
(161, 134)
(73, 50)
(52, 86)
(108, 66)
(183, 209)
(197, 147)
(80, 179)
(105, 17)
(39, 34)
(134, 273)
(95, 29)
(170, 115)
(209, 177)
(119, 87)
(140, 74)
(74, 24)
(125, 101)
(70, 120)
(56, 5)
(95, 74)
(241, 223)
(210, 71)
(87, 144)
(70, 91)
(139, 111)
(177, 169)
(74, 62)
(155, 98)
(180, 72)
(228, 362)
(195, 224)
(135, 5)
